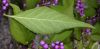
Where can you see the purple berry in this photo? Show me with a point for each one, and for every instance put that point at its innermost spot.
(45, 46)
(61, 44)
(53, 44)
(57, 42)
(47, 3)
(61, 47)
(42, 42)
(4, 1)
(5, 4)
(56, 46)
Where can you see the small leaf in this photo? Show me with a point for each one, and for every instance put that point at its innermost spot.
(95, 37)
(31, 4)
(61, 36)
(66, 8)
(67, 47)
(80, 45)
(52, 22)
(97, 26)
(15, 8)
(77, 33)
(95, 45)
(92, 3)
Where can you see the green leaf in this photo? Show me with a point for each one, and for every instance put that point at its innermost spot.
(61, 36)
(31, 4)
(18, 31)
(97, 29)
(95, 45)
(15, 8)
(67, 8)
(77, 33)
(97, 26)
(67, 47)
(91, 3)
(95, 37)
(80, 45)
(52, 22)
(90, 12)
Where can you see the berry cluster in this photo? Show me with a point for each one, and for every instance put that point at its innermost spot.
(47, 3)
(54, 45)
(3, 7)
(44, 44)
(87, 31)
(5, 4)
(80, 7)
(57, 45)
(91, 21)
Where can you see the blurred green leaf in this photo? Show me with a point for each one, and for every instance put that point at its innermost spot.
(77, 33)
(90, 12)
(80, 45)
(97, 29)
(97, 26)
(95, 46)
(91, 3)
(61, 36)
(67, 47)
(66, 8)
(68, 43)
(52, 22)
(95, 37)
(31, 3)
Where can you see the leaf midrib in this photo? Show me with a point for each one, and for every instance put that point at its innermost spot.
(40, 19)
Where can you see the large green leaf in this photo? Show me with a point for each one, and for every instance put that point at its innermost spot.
(18, 31)
(45, 20)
